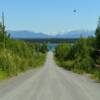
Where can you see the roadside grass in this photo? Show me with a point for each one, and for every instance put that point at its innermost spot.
(96, 76)
(3, 75)
(68, 65)
(34, 63)
(94, 73)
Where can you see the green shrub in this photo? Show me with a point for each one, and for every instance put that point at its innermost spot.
(7, 62)
(84, 64)
(12, 63)
(17, 56)
(96, 75)
(67, 64)
(77, 57)
(98, 60)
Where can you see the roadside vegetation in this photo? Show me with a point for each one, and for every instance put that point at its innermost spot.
(82, 56)
(19, 56)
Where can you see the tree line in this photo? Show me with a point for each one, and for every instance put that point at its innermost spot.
(18, 56)
(83, 56)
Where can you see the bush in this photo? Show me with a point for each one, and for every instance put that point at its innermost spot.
(17, 56)
(98, 60)
(84, 64)
(76, 57)
(7, 62)
(67, 64)
(96, 75)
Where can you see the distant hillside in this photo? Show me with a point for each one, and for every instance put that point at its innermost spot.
(68, 35)
(76, 34)
(27, 34)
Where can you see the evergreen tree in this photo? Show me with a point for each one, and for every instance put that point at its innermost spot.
(98, 35)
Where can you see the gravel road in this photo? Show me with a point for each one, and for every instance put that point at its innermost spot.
(49, 83)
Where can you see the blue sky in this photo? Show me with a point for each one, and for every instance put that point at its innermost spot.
(50, 16)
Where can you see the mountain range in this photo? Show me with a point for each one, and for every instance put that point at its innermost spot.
(26, 34)
(76, 34)
(66, 35)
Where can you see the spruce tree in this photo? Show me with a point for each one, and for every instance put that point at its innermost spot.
(97, 33)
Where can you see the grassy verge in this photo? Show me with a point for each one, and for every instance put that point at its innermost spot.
(3, 75)
(69, 65)
(36, 62)
(11, 63)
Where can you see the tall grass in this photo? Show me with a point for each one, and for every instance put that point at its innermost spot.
(16, 58)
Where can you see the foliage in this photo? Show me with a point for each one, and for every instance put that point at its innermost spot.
(62, 51)
(96, 75)
(97, 33)
(97, 42)
(84, 64)
(76, 57)
(98, 60)
(81, 56)
(19, 56)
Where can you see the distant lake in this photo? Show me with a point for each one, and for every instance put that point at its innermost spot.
(51, 46)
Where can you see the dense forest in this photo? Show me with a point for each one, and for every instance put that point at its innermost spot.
(18, 56)
(83, 56)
